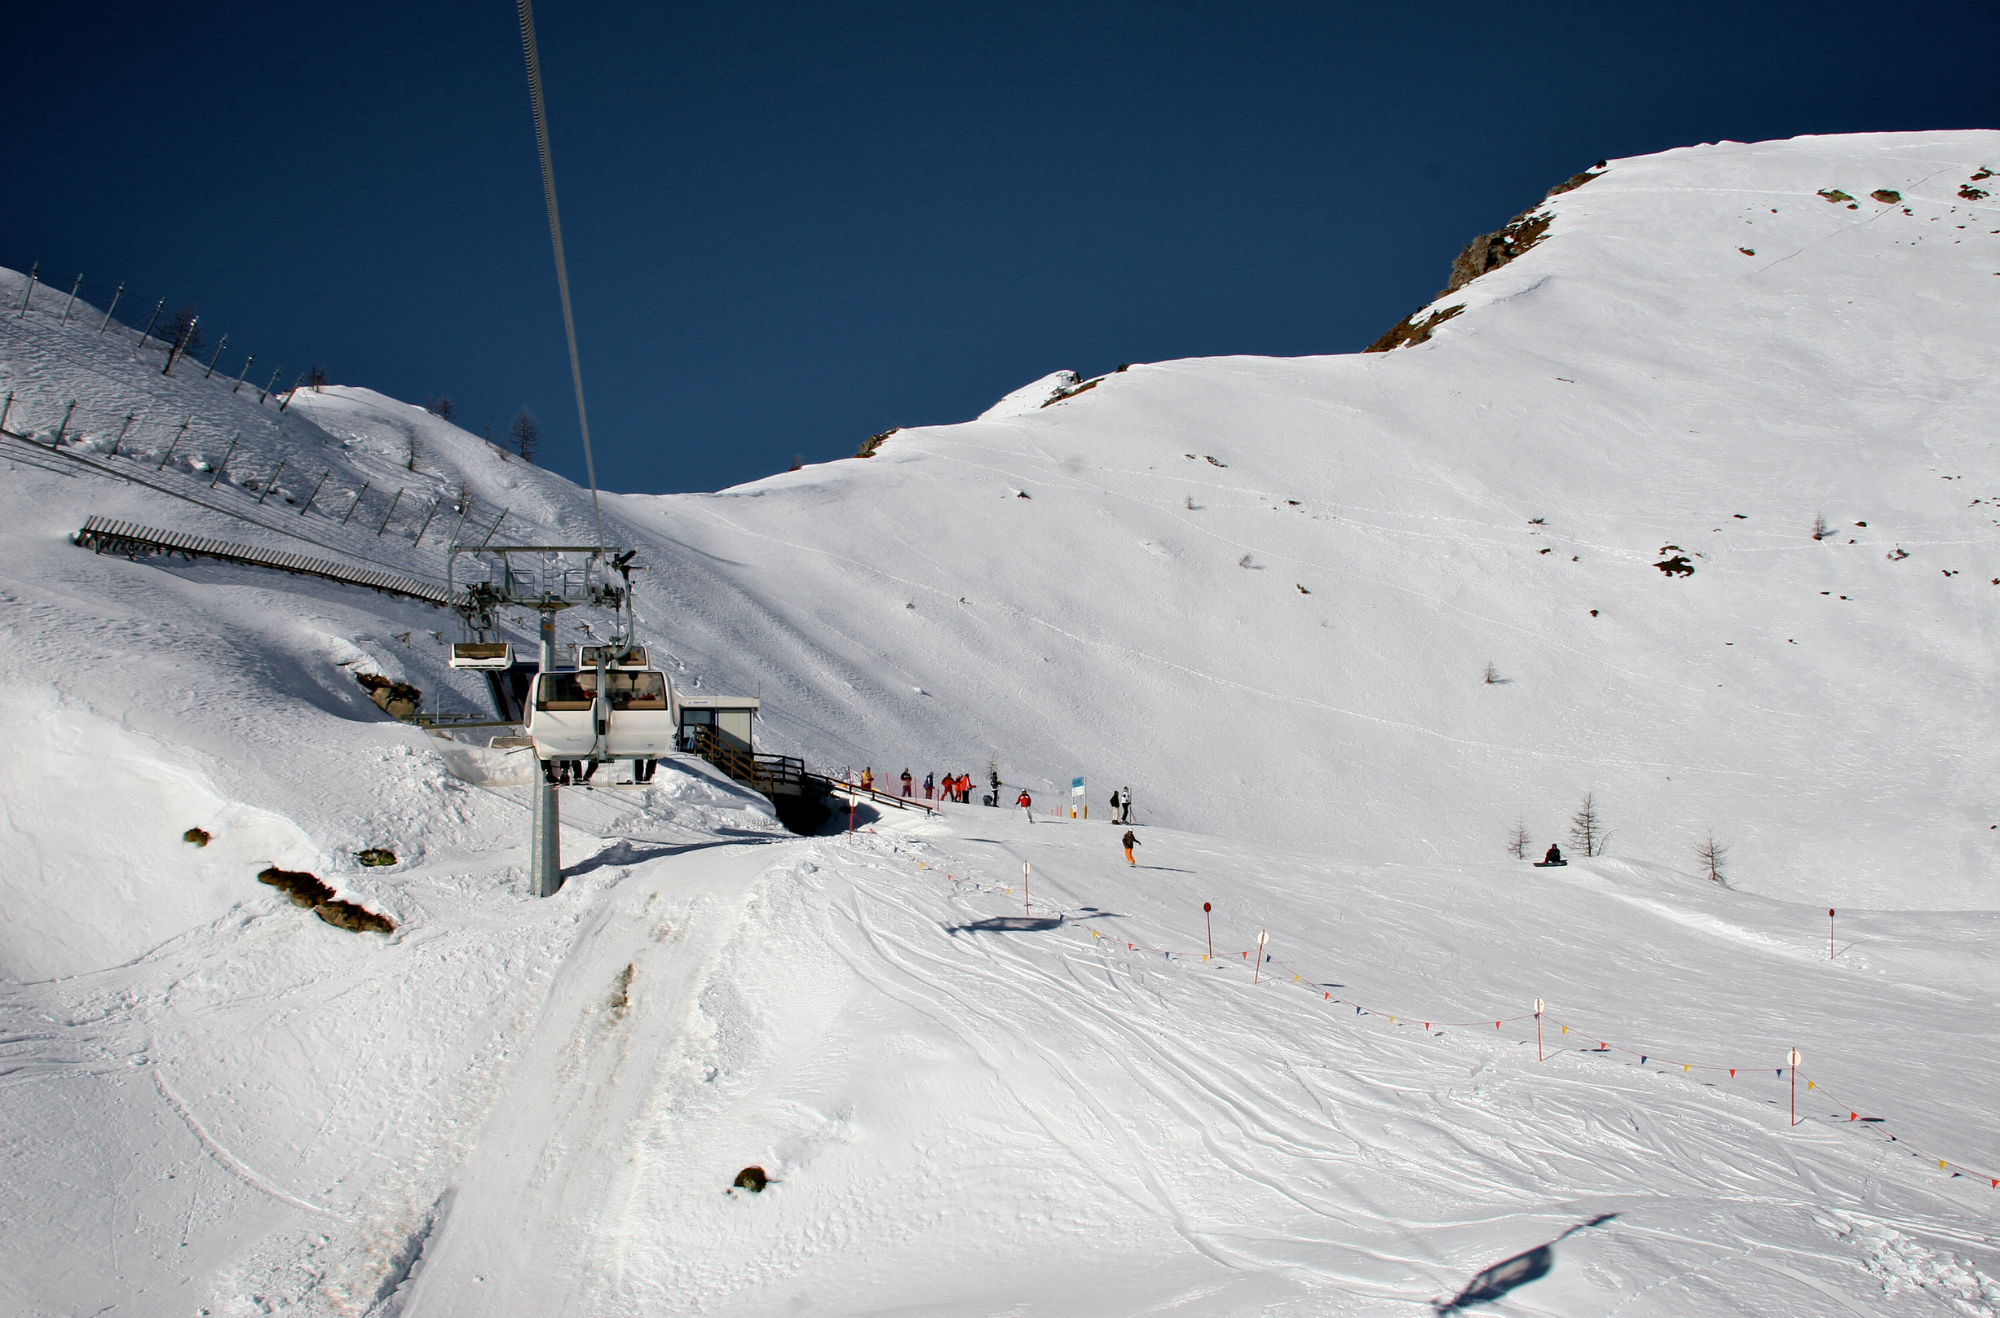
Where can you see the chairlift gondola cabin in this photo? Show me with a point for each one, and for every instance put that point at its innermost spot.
(483, 656)
(632, 718)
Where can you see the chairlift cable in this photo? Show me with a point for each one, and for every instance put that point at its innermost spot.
(527, 13)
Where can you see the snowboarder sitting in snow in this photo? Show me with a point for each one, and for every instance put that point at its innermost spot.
(1555, 857)
(1128, 842)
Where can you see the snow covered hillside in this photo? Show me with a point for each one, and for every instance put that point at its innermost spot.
(1704, 473)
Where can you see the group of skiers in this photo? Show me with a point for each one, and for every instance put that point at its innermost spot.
(959, 788)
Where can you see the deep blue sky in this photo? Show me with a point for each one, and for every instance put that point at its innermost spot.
(793, 225)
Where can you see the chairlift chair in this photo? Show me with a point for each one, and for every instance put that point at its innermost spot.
(483, 656)
(573, 724)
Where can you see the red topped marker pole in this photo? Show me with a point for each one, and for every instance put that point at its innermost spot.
(1829, 933)
(1205, 909)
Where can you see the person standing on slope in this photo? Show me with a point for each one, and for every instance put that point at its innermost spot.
(867, 780)
(907, 780)
(1124, 805)
(1130, 841)
(930, 780)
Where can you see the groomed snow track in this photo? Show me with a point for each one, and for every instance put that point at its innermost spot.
(100, 534)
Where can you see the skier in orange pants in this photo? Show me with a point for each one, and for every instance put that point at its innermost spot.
(1130, 841)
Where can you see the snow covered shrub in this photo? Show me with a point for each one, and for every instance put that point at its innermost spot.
(873, 442)
(1518, 841)
(1887, 196)
(376, 856)
(1713, 856)
(199, 836)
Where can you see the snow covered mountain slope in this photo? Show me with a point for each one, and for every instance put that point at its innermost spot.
(1270, 588)
(213, 1102)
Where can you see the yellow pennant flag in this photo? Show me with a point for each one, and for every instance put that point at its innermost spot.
(1684, 1068)
(1809, 1084)
(1940, 1164)
(1565, 1029)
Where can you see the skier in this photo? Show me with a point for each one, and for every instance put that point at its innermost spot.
(1027, 804)
(906, 782)
(930, 780)
(1553, 858)
(1129, 841)
(1124, 805)
(867, 780)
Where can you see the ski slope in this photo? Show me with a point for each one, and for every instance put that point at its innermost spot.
(1262, 592)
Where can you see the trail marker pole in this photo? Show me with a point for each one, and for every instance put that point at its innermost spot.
(63, 429)
(175, 444)
(158, 307)
(391, 513)
(33, 271)
(1829, 933)
(227, 453)
(5, 408)
(356, 504)
(245, 371)
(218, 357)
(1209, 918)
(1794, 1060)
(1024, 889)
(1257, 974)
(106, 324)
(1538, 1030)
(67, 306)
(315, 491)
(271, 484)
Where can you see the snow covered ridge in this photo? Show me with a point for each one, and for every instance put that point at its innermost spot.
(1690, 508)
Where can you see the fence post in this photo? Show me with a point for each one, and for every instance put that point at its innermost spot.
(496, 526)
(177, 439)
(226, 455)
(63, 429)
(265, 492)
(265, 392)
(31, 291)
(427, 523)
(245, 371)
(121, 434)
(113, 307)
(289, 392)
(391, 513)
(356, 504)
(157, 309)
(71, 304)
(5, 408)
(218, 357)
(315, 491)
